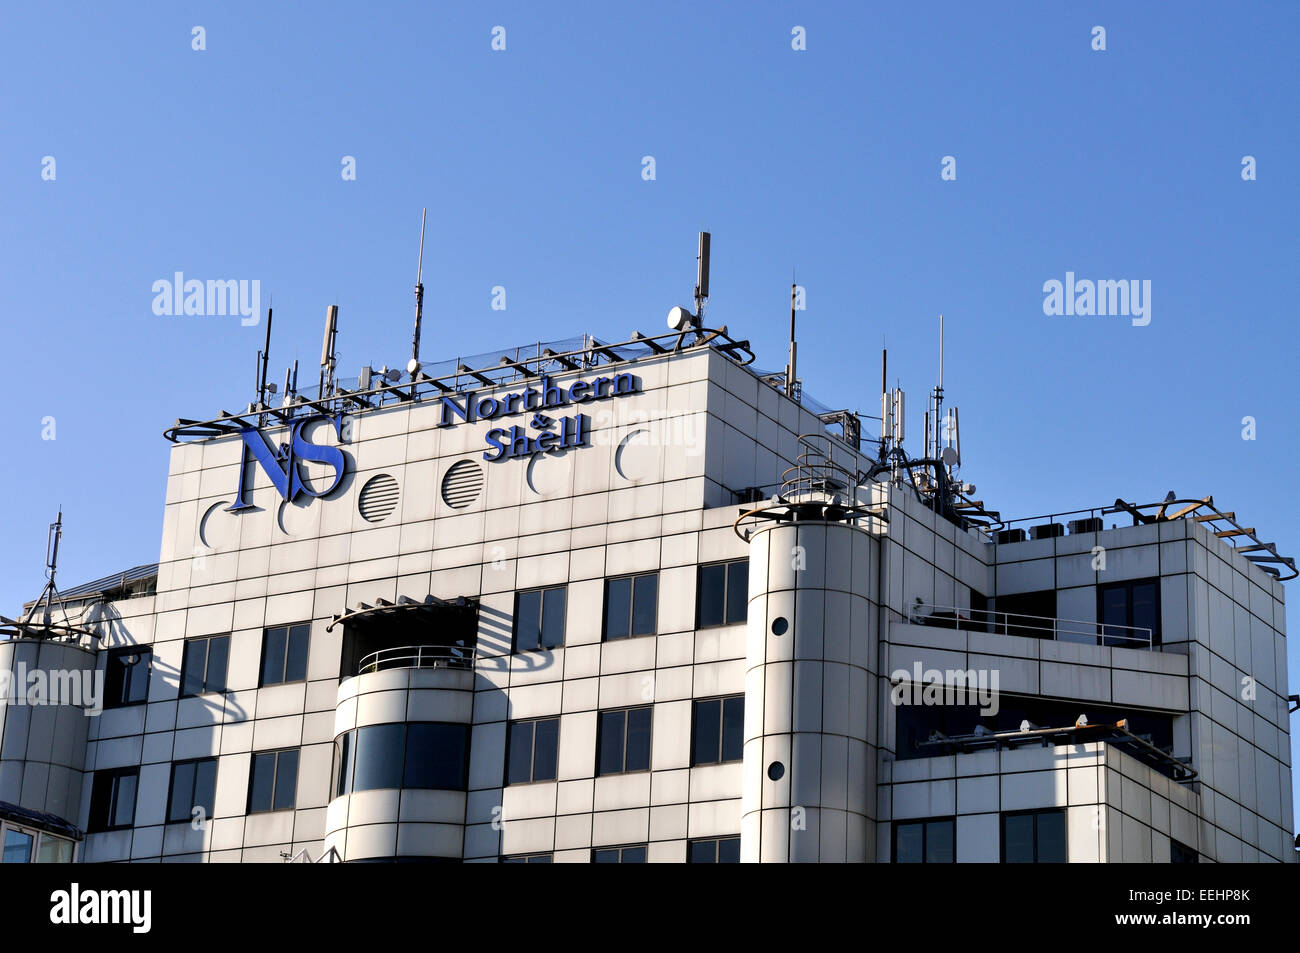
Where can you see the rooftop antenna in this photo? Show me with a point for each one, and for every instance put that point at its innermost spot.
(264, 358)
(50, 590)
(327, 350)
(702, 277)
(791, 367)
(414, 365)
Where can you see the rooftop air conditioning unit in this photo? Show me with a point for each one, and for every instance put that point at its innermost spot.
(1092, 524)
(1047, 531)
(1016, 535)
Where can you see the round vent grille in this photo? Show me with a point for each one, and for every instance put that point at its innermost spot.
(462, 484)
(378, 498)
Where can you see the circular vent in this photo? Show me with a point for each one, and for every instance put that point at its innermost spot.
(462, 484)
(378, 498)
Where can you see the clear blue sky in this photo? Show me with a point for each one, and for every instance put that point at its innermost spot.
(226, 163)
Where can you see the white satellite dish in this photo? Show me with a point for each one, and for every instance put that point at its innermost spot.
(679, 319)
(412, 367)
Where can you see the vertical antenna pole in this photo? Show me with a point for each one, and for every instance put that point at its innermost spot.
(791, 368)
(266, 360)
(414, 367)
(702, 276)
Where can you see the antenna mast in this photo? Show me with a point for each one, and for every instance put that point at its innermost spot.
(51, 567)
(791, 367)
(414, 365)
(702, 277)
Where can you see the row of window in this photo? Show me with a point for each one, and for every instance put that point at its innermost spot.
(631, 609)
(1028, 837)
(623, 740)
(713, 850)
(632, 606)
(272, 786)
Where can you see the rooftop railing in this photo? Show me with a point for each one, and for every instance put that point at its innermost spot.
(1032, 626)
(418, 656)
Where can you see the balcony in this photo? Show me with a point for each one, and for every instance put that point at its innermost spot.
(1032, 626)
(418, 656)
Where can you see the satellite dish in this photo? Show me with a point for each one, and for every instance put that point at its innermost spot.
(392, 375)
(679, 319)
(413, 367)
(949, 456)
(270, 388)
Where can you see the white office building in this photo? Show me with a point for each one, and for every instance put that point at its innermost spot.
(594, 601)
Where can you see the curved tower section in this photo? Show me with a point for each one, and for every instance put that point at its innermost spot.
(810, 678)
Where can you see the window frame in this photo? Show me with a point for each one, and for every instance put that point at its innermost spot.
(722, 729)
(540, 646)
(1127, 585)
(925, 823)
(717, 848)
(289, 629)
(112, 655)
(349, 739)
(632, 579)
(532, 757)
(644, 848)
(540, 857)
(729, 565)
(114, 777)
(1035, 814)
(207, 665)
(210, 809)
(600, 734)
(275, 779)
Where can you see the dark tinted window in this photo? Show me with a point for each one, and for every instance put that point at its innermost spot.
(436, 756)
(1034, 837)
(380, 757)
(126, 677)
(284, 654)
(931, 841)
(719, 730)
(1182, 854)
(721, 850)
(527, 859)
(274, 782)
(194, 786)
(532, 750)
(631, 606)
(624, 742)
(342, 771)
(112, 798)
(203, 668)
(539, 619)
(723, 593)
(619, 855)
(1132, 604)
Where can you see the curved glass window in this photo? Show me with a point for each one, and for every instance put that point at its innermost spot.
(428, 755)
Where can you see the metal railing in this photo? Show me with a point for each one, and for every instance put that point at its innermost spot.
(418, 656)
(1032, 626)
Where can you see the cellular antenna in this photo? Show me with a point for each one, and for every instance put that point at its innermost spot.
(327, 350)
(266, 360)
(791, 367)
(702, 276)
(50, 591)
(414, 365)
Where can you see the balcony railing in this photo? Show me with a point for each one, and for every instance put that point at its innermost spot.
(1032, 626)
(418, 656)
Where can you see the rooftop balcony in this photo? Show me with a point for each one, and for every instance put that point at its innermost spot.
(1032, 626)
(418, 656)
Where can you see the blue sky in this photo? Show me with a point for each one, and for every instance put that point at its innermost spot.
(226, 163)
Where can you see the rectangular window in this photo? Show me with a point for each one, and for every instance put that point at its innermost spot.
(723, 593)
(631, 854)
(273, 784)
(631, 606)
(1031, 615)
(719, 730)
(428, 755)
(126, 676)
(18, 846)
(526, 859)
(624, 741)
(539, 619)
(112, 799)
(194, 787)
(532, 750)
(720, 850)
(932, 841)
(284, 654)
(1182, 854)
(54, 850)
(1034, 837)
(1133, 604)
(203, 668)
